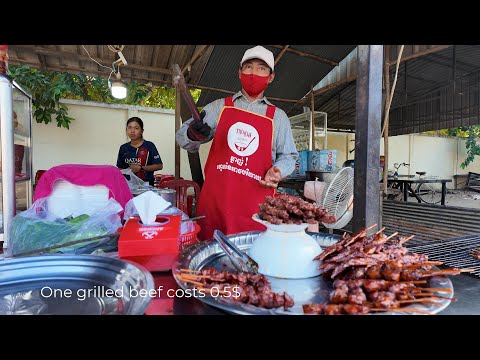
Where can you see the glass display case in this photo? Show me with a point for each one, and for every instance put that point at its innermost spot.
(16, 152)
(302, 130)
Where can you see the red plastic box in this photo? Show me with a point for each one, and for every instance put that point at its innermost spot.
(153, 246)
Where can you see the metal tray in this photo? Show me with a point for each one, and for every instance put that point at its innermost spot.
(73, 285)
(304, 291)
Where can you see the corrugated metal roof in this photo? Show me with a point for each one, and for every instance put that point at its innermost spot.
(332, 52)
(339, 104)
(294, 74)
(428, 104)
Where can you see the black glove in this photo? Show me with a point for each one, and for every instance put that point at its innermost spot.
(198, 130)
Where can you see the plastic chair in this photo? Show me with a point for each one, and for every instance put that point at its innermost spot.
(161, 179)
(184, 201)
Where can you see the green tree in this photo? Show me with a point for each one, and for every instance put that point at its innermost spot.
(48, 87)
(473, 149)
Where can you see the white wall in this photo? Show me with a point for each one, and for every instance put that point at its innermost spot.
(439, 156)
(435, 155)
(338, 141)
(97, 133)
(99, 129)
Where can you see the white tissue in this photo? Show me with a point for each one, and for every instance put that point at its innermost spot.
(148, 205)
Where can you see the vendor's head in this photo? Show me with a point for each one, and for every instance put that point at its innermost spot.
(256, 70)
(135, 128)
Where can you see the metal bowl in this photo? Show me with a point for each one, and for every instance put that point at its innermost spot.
(73, 285)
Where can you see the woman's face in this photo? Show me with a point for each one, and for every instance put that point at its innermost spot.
(134, 131)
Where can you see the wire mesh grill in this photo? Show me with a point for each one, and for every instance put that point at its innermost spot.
(457, 253)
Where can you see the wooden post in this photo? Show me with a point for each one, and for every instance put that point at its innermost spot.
(386, 72)
(177, 126)
(193, 158)
(366, 207)
(3, 59)
(312, 121)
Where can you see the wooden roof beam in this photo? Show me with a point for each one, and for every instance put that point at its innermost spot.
(279, 56)
(108, 63)
(326, 88)
(304, 54)
(419, 54)
(195, 57)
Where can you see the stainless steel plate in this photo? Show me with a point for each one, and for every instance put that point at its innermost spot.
(304, 291)
(73, 284)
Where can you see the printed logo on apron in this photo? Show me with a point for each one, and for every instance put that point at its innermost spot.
(243, 139)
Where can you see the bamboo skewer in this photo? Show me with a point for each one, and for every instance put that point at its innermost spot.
(446, 272)
(434, 296)
(426, 263)
(189, 270)
(447, 290)
(423, 300)
(406, 239)
(402, 310)
(391, 236)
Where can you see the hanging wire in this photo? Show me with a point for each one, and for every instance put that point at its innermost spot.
(106, 67)
(115, 49)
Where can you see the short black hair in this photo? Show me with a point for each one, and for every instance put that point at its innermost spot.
(137, 120)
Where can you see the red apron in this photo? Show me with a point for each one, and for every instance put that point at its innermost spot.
(241, 154)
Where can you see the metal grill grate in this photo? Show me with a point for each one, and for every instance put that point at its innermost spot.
(453, 252)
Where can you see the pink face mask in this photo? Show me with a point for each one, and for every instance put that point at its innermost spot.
(253, 84)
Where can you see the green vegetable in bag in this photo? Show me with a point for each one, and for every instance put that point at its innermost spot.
(78, 219)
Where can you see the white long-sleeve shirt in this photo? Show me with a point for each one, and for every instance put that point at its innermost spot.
(284, 151)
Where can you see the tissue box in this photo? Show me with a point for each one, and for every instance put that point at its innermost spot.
(152, 246)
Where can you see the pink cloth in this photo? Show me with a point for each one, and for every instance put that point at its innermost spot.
(86, 175)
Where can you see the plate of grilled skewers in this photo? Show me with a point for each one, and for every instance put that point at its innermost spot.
(361, 274)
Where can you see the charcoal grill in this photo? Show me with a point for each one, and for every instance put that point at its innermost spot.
(452, 252)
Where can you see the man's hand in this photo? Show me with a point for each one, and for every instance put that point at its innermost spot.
(198, 130)
(272, 177)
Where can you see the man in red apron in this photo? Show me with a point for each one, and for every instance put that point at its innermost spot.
(252, 149)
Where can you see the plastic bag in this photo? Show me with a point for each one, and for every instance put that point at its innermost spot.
(185, 227)
(134, 182)
(37, 228)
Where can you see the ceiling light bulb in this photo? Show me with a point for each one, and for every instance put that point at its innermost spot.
(119, 89)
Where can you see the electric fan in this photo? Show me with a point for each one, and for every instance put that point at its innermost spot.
(335, 194)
